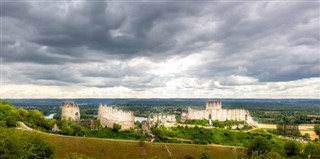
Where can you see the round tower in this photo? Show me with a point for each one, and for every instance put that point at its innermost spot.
(70, 111)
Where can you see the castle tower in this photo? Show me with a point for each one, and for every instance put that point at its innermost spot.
(101, 111)
(213, 104)
(70, 111)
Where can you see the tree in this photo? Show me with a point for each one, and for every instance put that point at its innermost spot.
(317, 129)
(11, 121)
(116, 127)
(312, 150)
(273, 155)
(260, 145)
(292, 148)
(205, 156)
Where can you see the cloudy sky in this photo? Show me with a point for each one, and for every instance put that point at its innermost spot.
(160, 49)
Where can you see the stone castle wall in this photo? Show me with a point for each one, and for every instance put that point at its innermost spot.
(220, 114)
(70, 111)
(109, 115)
(164, 117)
(213, 104)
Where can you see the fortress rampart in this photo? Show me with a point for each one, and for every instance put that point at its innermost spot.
(109, 115)
(164, 117)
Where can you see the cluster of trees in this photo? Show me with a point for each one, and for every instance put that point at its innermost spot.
(198, 135)
(9, 115)
(217, 123)
(115, 133)
(262, 148)
(317, 129)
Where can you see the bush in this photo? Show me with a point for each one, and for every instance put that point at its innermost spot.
(141, 142)
(292, 148)
(312, 150)
(116, 127)
(317, 129)
(11, 121)
(260, 145)
(205, 156)
(15, 144)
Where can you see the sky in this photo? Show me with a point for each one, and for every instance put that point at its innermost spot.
(160, 49)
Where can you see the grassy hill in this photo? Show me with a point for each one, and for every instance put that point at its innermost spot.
(114, 149)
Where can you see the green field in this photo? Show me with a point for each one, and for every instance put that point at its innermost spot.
(109, 148)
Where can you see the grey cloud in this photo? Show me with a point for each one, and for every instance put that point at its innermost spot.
(270, 41)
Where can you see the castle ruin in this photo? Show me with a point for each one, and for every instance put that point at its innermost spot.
(70, 111)
(164, 119)
(214, 111)
(109, 116)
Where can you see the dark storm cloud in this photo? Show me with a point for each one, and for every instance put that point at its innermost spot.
(268, 41)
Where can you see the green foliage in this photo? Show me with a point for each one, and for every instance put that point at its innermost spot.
(116, 127)
(199, 135)
(217, 123)
(35, 119)
(312, 150)
(317, 129)
(110, 133)
(205, 156)
(292, 148)
(77, 156)
(260, 145)
(10, 121)
(15, 144)
(141, 142)
(203, 122)
(71, 128)
(273, 155)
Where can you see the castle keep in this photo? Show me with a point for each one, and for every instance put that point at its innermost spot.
(214, 111)
(109, 116)
(70, 111)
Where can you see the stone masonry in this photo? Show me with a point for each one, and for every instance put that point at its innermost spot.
(109, 115)
(70, 111)
(214, 111)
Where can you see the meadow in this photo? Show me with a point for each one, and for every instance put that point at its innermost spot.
(111, 148)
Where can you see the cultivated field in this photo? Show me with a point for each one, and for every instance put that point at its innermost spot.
(304, 128)
(308, 128)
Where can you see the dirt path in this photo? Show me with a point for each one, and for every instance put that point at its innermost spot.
(23, 126)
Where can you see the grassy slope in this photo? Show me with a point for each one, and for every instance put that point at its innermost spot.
(108, 148)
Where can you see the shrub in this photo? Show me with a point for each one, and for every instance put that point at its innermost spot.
(15, 144)
(292, 148)
(205, 156)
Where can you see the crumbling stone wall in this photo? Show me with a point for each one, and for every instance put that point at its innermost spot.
(109, 115)
(164, 119)
(70, 111)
